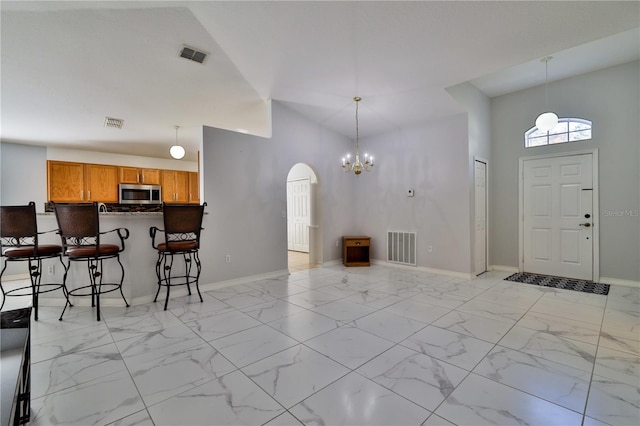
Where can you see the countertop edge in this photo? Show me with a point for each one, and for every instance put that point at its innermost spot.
(114, 214)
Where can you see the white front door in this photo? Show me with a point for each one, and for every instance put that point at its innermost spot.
(298, 215)
(480, 251)
(558, 216)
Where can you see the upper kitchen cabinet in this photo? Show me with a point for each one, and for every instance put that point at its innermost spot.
(78, 182)
(194, 188)
(139, 176)
(65, 182)
(175, 186)
(101, 183)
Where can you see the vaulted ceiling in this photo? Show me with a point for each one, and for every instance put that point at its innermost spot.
(65, 66)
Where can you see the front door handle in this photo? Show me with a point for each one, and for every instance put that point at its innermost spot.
(586, 225)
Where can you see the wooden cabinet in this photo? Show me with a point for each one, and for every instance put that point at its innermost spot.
(194, 188)
(69, 182)
(150, 176)
(355, 251)
(140, 176)
(78, 182)
(65, 182)
(101, 183)
(175, 186)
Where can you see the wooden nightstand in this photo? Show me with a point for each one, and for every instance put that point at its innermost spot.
(355, 250)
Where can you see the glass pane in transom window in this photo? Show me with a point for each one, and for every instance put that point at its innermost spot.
(580, 135)
(561, 127)
(559, 138)
(537, 141)
(578, 125)
(567, 130)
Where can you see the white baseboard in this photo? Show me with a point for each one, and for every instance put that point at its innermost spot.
(617, 281)
(183, 291)
(463, 275)
(15, 277)
(503, 268)
(335, 262)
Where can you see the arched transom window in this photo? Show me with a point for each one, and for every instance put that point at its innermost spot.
(567, 130)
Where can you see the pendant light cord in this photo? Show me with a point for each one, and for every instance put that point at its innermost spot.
(546, 60)
(357, 100)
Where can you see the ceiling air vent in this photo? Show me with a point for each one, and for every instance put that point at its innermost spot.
(115, 123)
(192, 54)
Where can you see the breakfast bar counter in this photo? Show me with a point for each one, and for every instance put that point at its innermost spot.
(138, 259)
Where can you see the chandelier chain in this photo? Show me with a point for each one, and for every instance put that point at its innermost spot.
(357, 126)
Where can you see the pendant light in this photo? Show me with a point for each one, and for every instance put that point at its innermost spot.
(176, 150)
(546, 121)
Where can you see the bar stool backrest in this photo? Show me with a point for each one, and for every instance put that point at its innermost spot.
(18, 226)
(182, 222)
(78, 224)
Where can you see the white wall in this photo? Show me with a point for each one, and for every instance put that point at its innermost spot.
(78, 156)
(245, 188)
(610, 98)
(431, 159)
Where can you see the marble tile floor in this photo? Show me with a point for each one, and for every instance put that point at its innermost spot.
(346, 346)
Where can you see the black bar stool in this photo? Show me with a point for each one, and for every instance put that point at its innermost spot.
(19, 243)
(182, 226)
(79, 229)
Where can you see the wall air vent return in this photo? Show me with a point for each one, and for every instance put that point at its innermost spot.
(114, 123)
(192, 54)
(401, 247)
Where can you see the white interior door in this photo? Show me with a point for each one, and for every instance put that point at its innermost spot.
(558, 216)
(298, 214)
(480, 251)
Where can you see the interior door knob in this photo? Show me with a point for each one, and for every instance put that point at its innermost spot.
(586, 225)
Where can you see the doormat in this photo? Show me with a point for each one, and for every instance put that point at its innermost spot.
(560, 282)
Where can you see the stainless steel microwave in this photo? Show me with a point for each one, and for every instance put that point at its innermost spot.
(139, 194)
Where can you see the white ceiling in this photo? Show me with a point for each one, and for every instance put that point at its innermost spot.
(67, 65)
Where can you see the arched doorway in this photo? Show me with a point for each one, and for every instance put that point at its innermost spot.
(303, 218)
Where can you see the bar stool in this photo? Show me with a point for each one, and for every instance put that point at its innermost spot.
(79, 229)
(19, 243)
(182, 226)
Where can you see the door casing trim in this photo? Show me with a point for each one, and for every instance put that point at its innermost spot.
(595, 214)
(487, 209)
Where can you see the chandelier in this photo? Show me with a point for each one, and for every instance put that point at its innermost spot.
(357, 166)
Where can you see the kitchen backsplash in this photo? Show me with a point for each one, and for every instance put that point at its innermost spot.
(126, 208)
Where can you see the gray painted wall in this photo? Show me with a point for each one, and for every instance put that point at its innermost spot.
(431, 159)
(610, 98)
(245, 188)
(478, 106)
(23, 178)
(23, 175)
